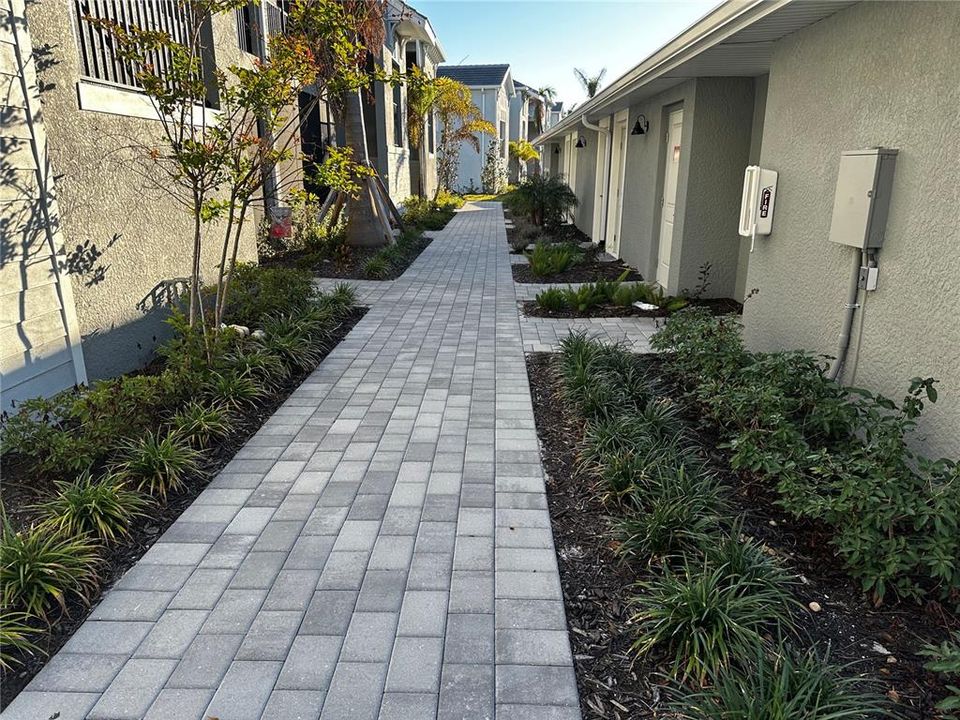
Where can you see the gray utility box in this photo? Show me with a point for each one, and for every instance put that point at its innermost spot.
(863, 197)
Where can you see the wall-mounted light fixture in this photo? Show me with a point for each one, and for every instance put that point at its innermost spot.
(641, 126)
(581, 142)
(556, 149)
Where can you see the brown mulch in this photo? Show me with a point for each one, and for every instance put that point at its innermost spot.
(348, 268)
(20, 490)
(718, 306)
(597, 586)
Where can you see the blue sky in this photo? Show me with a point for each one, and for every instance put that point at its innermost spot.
(543, 40)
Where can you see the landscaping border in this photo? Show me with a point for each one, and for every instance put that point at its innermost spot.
(881, 643)
(117, 559)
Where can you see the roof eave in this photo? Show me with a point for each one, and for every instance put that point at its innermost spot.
(709, 30)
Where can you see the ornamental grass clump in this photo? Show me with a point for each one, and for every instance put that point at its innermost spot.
(703, 619)
(102, 508)
(781, 684)
(159, 462)
(17, 635)
(40, 568)
(201, 423)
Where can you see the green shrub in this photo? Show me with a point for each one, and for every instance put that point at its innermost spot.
(257, 292)
(297, 339)
(16, 635)
(628, 293)
(552, 299)
(838, 455)
(158, 462)
(629, 433)
(700, 346)
(945, 659)
(546, 199)
(668, 524)
(599, 379)
(233, 390)
(743, 557)
(103, 508)
(705, 618)
(376, 268)
(551, 259)
(581, 298)
(339, 301)
(425, 214)
(254, 360)
(627, 475)
(199, 423)
(39, 568)
(78, 428)
(782, 685)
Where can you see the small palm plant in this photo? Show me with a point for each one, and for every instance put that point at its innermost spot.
(591, 83)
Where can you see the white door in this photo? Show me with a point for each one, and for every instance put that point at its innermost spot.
(669, 200)
(618, 163)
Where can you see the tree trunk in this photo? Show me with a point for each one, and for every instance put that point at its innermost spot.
(363, 228)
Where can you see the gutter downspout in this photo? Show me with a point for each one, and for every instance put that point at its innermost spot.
(606, 175)
(851, 308)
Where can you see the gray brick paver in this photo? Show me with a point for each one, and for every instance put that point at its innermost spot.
(381, 547)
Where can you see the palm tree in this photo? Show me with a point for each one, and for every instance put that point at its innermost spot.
(591, 83)
(363, 228)
(549, 95)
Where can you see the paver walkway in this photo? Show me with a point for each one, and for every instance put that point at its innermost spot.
(380, 549)
(541, 334)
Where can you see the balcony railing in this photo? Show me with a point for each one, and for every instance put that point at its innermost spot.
(253, 18)
(99, 62)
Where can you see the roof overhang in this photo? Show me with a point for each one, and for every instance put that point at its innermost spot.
(735, 39)
(408, 23)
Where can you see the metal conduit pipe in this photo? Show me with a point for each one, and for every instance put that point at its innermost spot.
(606, 174)
(851, 308)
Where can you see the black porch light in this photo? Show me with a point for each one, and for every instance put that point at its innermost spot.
(581, 143)
(556, 149)
(641, 126)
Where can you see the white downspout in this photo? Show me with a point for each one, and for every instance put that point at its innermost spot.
(606, 175)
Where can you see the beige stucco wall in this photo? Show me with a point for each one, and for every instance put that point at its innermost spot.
(715, 141)
(643, 178)
(718, 151)
(585, 180)
(876, 74)
(103, 194)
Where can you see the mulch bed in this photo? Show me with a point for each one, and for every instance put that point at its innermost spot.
(587, 270)
(718, 306)
(597, 585)
(19, 490)
(351, 267)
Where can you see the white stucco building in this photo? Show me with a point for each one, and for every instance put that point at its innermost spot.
(492, 89)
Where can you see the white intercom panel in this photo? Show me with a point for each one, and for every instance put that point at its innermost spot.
(756, 206)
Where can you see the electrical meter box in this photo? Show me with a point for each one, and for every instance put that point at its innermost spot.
(863, 197)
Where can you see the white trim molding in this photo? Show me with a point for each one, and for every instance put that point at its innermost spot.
(97, 97)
